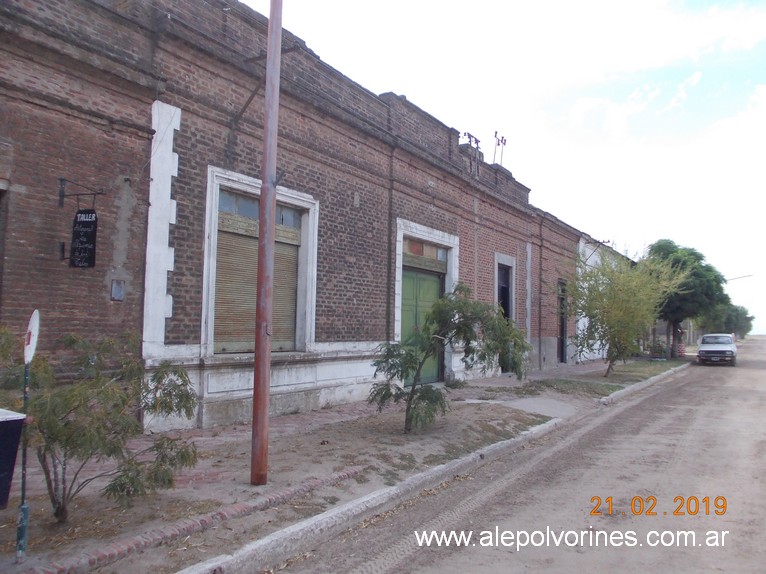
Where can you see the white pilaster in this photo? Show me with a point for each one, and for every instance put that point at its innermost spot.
(160, 257)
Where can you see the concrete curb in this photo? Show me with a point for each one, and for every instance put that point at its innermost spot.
(295, 539)
(617, 395)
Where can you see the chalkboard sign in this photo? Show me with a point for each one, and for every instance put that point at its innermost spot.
(83, 249)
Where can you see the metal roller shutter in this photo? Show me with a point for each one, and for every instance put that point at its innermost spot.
(235, 299)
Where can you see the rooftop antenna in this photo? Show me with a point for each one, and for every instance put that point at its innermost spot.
(471, 141)
(499, 143)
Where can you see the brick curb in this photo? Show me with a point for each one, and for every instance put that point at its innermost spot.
(114, 551)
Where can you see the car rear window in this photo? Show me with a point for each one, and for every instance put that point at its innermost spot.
(716, 340)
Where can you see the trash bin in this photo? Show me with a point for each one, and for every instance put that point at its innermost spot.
(10, 433)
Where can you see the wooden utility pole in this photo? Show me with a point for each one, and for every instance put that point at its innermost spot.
(259, 460)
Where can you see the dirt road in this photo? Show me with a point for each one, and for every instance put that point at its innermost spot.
(677, 473)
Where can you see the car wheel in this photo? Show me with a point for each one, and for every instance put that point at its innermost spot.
(734, 362)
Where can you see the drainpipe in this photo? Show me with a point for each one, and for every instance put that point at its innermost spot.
(390, 251)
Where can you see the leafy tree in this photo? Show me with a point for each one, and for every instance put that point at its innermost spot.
(727, 318)
(95, 417)
(700, 292)
(714, 319)
(457, 320)
(738, 321)
(619, 301)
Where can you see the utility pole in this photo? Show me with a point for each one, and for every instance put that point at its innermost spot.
(259, 459)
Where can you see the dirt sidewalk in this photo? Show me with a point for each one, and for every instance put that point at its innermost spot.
(317, 461)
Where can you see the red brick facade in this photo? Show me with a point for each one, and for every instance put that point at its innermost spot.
(78, 81)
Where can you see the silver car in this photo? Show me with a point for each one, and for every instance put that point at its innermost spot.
(717, 348)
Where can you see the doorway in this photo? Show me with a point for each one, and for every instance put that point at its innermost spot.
(420, 290)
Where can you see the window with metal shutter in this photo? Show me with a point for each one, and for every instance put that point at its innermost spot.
(236, 277)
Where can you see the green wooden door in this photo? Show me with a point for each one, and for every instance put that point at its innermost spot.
(419, 292)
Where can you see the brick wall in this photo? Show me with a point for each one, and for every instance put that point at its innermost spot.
(77, 86)
(64, 117)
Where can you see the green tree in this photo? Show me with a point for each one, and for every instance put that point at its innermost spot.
(700, 292)
(618, 301)
(95, 418)
(454, 320)
(727, 318)
(738, 321)
(714, 319)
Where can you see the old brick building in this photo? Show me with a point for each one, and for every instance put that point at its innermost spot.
(159, 105)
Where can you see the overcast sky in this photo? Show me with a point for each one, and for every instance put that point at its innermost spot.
(632, 121)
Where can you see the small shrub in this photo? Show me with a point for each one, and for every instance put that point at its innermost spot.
(456, 384)
(454, 320)
(658, 349)
(95, 417)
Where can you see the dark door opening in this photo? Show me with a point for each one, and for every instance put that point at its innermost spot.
(504, 289)
(504, 299)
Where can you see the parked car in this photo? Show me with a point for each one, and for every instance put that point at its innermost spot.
(717, 348)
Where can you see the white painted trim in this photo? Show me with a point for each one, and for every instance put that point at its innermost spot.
(155, 354)
(160, 257)
(347, 347)
(307, 254)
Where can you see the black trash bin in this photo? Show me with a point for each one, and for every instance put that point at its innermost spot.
(10, 433)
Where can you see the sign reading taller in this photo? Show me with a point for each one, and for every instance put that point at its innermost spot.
(83, 249)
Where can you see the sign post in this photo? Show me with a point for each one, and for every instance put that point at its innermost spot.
(30, 344)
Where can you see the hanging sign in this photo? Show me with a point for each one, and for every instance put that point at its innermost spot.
(83, 249)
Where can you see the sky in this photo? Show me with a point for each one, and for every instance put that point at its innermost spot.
(631, 121)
